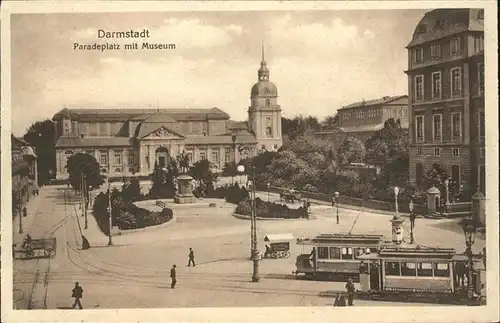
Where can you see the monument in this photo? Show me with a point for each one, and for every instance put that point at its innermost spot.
(184, 192)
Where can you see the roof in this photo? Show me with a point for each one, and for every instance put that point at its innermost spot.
(70, 142)
(237, 125)
(141, 114)
(264, 88)
(441, 23)
(365, 128)
(343, 238)
(382, 101)
(279, 237)
(433, 190)
(146, 128)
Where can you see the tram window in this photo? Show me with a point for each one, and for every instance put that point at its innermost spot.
(334, 253)
(424, 269)
(408, 269)
(346, 253)
(392, 268)
(360, 251)
(441, 270)
(322, 252)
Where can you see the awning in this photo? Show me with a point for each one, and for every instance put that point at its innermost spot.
(279, 237)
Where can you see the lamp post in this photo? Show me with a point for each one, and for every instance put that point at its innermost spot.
(469, 230)
(337, 194)
(412, 222)
(268, 187)
(233, 138)
(447, 200)
(110, 239)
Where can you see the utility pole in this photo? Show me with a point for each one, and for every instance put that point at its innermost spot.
(110, 241)
(85, 200)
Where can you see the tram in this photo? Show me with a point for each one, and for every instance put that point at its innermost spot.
(414, 268)
(335, 255)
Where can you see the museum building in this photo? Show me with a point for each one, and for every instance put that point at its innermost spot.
(128, 142)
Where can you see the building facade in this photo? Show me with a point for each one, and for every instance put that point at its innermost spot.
(128, 142)
(446, 91)
(24, 173)
(362, 119)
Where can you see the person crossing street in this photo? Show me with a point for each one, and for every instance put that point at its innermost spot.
(77, 294)
(173, 276)
(350, 291)
(191, 258)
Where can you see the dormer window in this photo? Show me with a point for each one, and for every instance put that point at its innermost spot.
(439, 24)
(419, 55)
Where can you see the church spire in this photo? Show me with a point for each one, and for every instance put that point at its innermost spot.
(263, 70)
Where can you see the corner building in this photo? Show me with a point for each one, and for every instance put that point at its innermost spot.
(128, 142)
(446, 96)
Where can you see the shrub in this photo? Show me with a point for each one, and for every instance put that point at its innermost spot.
(269, 210)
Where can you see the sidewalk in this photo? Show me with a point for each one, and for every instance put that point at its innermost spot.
(33, 208)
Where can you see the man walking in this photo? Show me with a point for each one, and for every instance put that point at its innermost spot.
(412, 215)
(350, 291)
(191, 258)
(77, 294)
(25, 212)
(173, 276)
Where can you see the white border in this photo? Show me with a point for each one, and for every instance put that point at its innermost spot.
(314, 314)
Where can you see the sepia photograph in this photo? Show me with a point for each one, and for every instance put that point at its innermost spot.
(251, 158)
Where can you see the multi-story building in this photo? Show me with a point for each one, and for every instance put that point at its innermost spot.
(130, 141)
(446, 91)
(362, 119)
(24, 173)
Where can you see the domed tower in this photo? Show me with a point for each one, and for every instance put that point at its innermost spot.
(264, 113)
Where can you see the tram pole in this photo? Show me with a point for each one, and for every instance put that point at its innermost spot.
(110, 239)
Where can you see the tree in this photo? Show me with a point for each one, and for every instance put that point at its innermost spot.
(388, 144)
(350, 151)
(158, 182)
(84, 164)
(202, 172)
(131, 190)
(330, 122)
(230, 169)
(41, 136)
(435, 176)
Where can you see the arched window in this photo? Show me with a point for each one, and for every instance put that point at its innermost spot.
(269, 132)
(419, 173)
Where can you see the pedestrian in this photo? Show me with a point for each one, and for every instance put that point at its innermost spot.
(173, 276)
(350, 291)
(484, 257)
(339, 300)
(25, 212)
(191, 258)
(77, 294)
(412, 218)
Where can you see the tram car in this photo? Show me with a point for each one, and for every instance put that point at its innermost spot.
(335, 256)
(413, 268)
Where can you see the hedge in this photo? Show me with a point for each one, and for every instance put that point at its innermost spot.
(269, 210)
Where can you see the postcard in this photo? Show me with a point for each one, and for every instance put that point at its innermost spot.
(249, 161)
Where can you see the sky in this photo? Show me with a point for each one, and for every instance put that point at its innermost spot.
(319, 60)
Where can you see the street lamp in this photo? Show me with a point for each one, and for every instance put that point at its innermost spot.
(447, 201)
(469, 230)
(110, 239)
(337, 194)
(412, 222)
(268, 187)
(241, 170)
(233, 138)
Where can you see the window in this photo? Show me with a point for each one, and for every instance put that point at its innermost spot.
(455, 152)
(334, 253)
(480, 78)
(456, 81)
(190, 154)
(419, 128)
(424, 269)
(408, 269)
(439, 24)
(455, 45)
(435, 51)
(268, 102)
(419, 87)
(478, 44)
(441, 270)
(456, 125)
(103, 157)
(322, 252)
(481, 124)
(436, 85)
(455, 175)
(130, 160)
(481, 152)
(215, 157)
(269, 132)
(437, 127)
(118, 158)
(146, 159)
(392, 268)
(419, 173)
(347, 253)
(437, 152)
(227, 155)
(103, 129)
(419, 55)
(203, 154)
(419, 151)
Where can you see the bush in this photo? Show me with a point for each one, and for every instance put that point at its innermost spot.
(269, 210)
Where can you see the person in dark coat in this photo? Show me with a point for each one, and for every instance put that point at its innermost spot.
(350, 291)
(339, 300)
(173, 276)
(25, 211)
(191, 258)
(77, 294)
